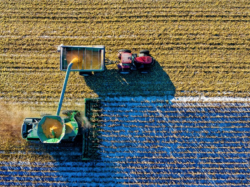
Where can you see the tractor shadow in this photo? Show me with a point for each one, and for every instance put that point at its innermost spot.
(110, 83)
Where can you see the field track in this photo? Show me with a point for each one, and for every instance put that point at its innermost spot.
(184, 124)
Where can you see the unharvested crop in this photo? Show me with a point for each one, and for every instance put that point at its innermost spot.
(201, 46)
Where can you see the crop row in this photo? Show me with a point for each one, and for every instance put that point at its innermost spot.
(136, 5)
(178, 38)
(170, 64)
(148, 45)
(83, 177)
(10, 64)
(175, 33)
(133, 18)
(182, 103)
(60, 16)
(136, 143)
(100, 166)
(47, 100)
(172, 61)
(175, 52)
(81, 14)
(103, 165)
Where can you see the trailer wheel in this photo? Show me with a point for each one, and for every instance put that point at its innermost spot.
(85, 74)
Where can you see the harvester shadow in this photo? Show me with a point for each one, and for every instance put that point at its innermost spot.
(64, 151)
(113, 84)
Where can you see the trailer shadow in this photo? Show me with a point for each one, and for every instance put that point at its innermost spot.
(112, 84)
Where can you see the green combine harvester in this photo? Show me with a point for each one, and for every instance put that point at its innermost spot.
(54, 129)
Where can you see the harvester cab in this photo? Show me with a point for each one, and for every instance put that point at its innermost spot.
(53, 129)
(129, 62)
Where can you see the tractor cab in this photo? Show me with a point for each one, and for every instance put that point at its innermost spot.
(130, 62)
(126, 61)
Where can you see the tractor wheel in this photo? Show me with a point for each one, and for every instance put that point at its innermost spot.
(145, 52)
(124, 50)
(124, 72)
(153, 62)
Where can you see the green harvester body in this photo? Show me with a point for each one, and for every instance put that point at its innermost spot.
(32, 128)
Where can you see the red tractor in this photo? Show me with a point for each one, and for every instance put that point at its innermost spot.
(129, 61)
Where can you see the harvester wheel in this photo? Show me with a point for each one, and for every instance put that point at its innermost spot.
(124, 50)
(67, 112)
(46, 114)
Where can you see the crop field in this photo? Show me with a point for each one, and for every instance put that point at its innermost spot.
(186, 123)
(202, 47)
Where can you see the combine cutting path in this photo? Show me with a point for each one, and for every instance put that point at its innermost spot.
(152, 141)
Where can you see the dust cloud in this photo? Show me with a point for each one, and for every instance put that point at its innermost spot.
(12, 117)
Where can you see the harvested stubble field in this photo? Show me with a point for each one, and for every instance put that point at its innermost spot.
(201, 48)
(145, 141)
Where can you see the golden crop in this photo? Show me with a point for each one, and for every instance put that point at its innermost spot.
(201, 47)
